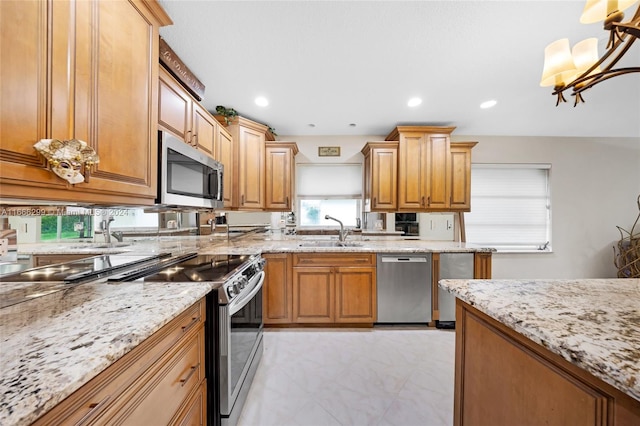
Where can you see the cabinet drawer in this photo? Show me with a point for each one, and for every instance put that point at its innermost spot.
(160, 393)
(195, 411)
(334, 259)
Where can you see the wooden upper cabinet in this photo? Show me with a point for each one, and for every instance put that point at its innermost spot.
(248, 163)
(279, 175)
(224, 153)
(380, 176)
(85, 70)
(460, 183)
(174, 107)
(424, 167)
(183, 116)
(205, 128)
(251, 168)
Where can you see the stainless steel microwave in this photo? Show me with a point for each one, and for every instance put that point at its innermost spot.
(187, 177)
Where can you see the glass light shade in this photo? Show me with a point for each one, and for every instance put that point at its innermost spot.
(559, 68)
(597, 10)
(585, 54)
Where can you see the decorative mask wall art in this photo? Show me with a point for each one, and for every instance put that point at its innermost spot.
(71, 160)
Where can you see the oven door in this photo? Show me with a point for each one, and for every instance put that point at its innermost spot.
(240, 345)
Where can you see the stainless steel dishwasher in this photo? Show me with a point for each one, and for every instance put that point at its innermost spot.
(404, 288)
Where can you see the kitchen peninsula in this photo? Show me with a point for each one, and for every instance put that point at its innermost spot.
(547, 351)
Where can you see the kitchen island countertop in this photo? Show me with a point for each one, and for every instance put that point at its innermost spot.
(592, 323)
(52, 345)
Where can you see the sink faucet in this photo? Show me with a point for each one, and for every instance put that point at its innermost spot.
(118, 235)
(342, 235)
(104, 227)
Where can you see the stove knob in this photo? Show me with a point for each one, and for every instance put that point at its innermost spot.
(232, 290)
(242, 282)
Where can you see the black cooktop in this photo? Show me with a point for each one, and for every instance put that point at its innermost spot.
(89, 268)
(210, 268)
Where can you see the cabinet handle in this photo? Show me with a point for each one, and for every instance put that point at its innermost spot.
(191, 372)
(429, 200)
(193, 322)
(195, 139)
(188, 137)
(93, 408)
(242, 200)
(287, 201)
(422, 202)
(375, 201)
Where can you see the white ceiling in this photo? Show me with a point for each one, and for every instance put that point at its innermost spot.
(333, 63)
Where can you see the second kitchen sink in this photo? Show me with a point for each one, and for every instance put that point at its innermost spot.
(330, 244)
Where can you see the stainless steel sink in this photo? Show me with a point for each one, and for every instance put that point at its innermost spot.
(330, 244)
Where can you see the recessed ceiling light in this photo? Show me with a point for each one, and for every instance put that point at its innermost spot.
(352, 125)
(262, 101)
(414, 102)
(311, 125)
(488, 104)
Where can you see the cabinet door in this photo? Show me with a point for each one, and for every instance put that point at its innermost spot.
(27, 70)
(438, 171)
(411, 169)
(174, 111)
(460, 187)
(278, 300)
(251, 169)
(355, 295)
(204, 129)
(313, 295)
(384, 172)
(279, 176)
(115, 104)
(224, 154)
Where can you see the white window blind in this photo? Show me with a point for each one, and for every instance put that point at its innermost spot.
(510, 207)
(329, 180)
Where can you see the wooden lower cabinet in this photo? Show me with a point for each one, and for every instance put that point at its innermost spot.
(334, 288)
(503, 378)
(161, 381)
(320, 289)
(277, 298)
(314, 295)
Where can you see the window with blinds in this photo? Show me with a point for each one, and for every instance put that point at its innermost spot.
(328, 189)
(510, 207)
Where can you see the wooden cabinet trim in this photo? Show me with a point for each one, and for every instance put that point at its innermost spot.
(334, 259)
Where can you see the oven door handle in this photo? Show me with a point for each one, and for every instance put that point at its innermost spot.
(240, 303)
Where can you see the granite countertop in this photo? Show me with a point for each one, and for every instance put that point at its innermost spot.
(55, 343)
(592, 323)
(253, 243)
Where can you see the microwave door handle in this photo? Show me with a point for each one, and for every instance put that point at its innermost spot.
(212, 184)
(220, 181)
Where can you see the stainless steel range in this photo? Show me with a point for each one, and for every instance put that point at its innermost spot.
(233, 327)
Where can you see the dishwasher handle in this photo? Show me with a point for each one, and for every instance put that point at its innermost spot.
(404, 259)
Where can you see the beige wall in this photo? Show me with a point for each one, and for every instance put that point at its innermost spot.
(594, 186)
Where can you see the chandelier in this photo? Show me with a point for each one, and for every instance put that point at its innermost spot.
(581, 68)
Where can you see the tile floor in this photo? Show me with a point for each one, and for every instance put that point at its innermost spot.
(377, 376)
